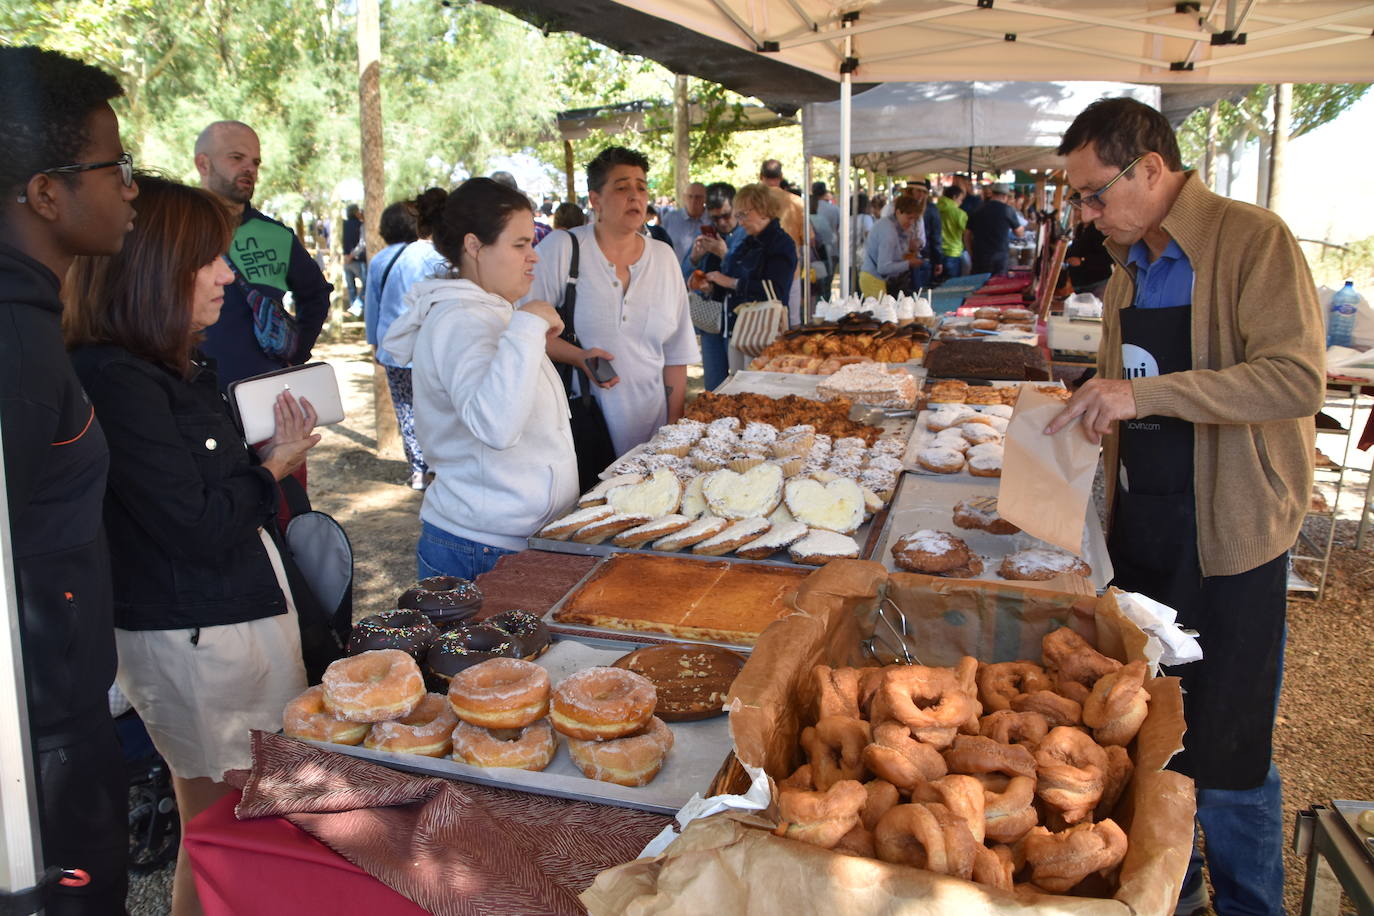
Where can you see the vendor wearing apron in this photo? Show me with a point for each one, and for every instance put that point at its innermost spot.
(1210, 371)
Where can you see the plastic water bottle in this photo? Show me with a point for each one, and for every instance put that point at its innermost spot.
(1341, 323)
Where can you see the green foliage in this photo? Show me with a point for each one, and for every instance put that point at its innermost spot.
(1314, 104)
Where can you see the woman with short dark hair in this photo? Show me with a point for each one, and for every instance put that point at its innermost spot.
(490, 412)
(631, 303)
(208, 640)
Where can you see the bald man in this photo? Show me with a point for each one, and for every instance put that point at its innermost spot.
(266, 257)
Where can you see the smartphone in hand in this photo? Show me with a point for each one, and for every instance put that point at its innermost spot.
(601, 369)
(709, 232)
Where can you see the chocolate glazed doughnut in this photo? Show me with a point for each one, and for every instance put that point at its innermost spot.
(528, 633)
(409, 631)
(446, 600)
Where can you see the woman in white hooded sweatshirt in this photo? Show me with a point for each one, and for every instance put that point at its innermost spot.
(490, 412)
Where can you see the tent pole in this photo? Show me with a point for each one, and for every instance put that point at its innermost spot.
(846, 114)
(804, 262)
(20, 856)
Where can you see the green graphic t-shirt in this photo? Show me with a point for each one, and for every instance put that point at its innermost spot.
(261, 250)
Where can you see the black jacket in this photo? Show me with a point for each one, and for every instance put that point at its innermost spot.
(185, 499)
(771, 255)
(55, 465)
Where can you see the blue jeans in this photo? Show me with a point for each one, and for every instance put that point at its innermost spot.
(355, 275)
(1244, 831)
(715, 360)
(442, 554)
(954, 267)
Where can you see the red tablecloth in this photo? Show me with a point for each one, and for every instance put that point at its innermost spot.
(268, 867)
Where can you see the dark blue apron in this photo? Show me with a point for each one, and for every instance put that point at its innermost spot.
(1229, 696)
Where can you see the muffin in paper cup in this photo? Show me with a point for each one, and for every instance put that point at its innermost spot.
(798, 444)
(707, 461)
(743, 462)
(791, 465)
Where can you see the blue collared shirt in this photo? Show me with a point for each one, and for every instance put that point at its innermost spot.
(1167, 282)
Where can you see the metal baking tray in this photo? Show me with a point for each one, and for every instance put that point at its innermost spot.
(594, 633)
(699, 749)
(921, 436)
(928, 502)
(1350, 812)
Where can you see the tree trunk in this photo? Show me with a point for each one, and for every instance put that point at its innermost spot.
(1283, 122)
(570, 171)
(374, 192)
(682, 137)
(1209, 160)
(1262, 178)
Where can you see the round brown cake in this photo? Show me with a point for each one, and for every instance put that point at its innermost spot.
(692, 681)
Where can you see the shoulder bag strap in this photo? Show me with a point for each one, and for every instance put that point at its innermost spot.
(390, 264)
(569, 313)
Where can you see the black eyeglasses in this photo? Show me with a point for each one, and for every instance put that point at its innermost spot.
(125, 163)
(1094, 200)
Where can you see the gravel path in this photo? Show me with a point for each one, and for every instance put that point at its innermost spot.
(1324, 739)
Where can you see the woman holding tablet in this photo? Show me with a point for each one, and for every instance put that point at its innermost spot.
(208, 640)
(490, 411)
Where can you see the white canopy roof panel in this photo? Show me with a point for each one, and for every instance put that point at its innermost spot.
(1148, 41)
(913, 128)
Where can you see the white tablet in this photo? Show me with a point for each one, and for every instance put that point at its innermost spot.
(253, 398)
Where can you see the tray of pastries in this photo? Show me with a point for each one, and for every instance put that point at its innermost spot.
(856, 334)
(579, 722)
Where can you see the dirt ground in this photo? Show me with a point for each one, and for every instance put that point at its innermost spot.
(1324, 737)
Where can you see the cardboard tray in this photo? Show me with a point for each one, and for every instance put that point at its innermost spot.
(732, 863)
(699, 749)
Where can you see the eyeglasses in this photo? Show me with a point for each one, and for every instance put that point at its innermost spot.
(1094, 200)
(722, 217)
(125, 163)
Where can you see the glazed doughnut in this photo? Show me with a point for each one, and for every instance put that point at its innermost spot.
(500, 693)
(1076, 665)
(1071, 771)
(425, 731)
(882, 798)
(528, 748)
(837, 691)
(857, 842)
(820, 818)
(927, 836)
(633, 760)
(373, 686)
(974, 754)
(1009, 812)
(1117, 705)
(1008, 727)
(962, 795)
(835, 746)
(1058, 861)
(596, 704)
(900, 759)
(1002, 682)
(1057, 710)
(929, 701)
(994, 866)
(1119, 770)
(305, 717)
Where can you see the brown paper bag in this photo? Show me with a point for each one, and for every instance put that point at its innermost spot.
(1046, 480)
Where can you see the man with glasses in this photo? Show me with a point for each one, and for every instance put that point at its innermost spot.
(715, 249)
(66, 187)
(265, 255)
(683, 223)
(1210, 371)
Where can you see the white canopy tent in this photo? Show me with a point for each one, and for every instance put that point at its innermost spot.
(917, 128)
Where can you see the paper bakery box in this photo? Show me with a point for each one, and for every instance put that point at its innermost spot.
(731, 863)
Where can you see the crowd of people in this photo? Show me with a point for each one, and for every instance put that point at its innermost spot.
(146, 532)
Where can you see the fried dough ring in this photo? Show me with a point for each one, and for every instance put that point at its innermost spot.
(1008, 727)
(929, 701)
(1009, 812)
(857, 842)
(1057, 710)
(994, 866)
(1058, 861)
(882, 798)
(927, 836)
(820, 818)
(1001, 682)
(962, 795)
(900, 759)
(973, 754)
(1071, 773)
(800, 778)
(835, 746)
(1076, 665)
(837, 692)
(1117, 705)
(966, 673)
(1119, 770)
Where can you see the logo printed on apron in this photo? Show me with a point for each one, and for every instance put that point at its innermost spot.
(1137, 362)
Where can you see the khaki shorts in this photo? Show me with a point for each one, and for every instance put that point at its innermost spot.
(199, 702)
